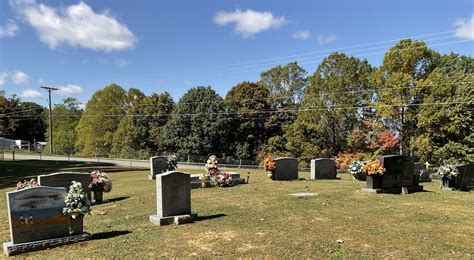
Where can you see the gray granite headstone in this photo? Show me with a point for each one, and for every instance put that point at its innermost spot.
(286, 169)
(323, 168)
(158, 165)
(64, 179)
(173, 199)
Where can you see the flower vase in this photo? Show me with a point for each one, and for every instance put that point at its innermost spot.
(448, 182)
(76, 225)
(98, 196)
(270, 175)
(374, 181)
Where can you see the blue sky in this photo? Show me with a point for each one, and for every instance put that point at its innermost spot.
(156, 46)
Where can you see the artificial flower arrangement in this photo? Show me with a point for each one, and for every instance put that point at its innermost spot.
(26, 184)
(357, 171)
(77, 203)
(212, 165)
(223, 179)
(100, 181)
(270, 165)
(172, 163)
(447, 172)
(373, 167)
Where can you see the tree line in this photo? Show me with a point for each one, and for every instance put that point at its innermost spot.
(417, 102)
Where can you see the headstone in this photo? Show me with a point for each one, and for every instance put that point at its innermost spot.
(465, 180)
(36, 220)
(64, 179)
(158, 165)
(422, 171)
(286, 169)
(173, 199)
(399, 172)
(323, 168)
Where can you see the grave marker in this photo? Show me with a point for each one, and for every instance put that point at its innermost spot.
(399, 172)
(64, 179)
(173, 199)
(36, 220)
(286, 169)
(158, 165)
(323, 168)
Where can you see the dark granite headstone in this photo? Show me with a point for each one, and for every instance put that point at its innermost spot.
(173, 199)
(399, 172)
(158, 165)
(323, 168)
(64, 179)
(286, 169)
(465, 180)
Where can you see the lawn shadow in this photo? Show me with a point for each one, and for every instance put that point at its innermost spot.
(112, 200)
(109, 234)
(207, 217)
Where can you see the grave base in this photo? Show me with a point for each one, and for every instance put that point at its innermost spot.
(93, 202)
(178, 220)
(396, 190)
(14, 249)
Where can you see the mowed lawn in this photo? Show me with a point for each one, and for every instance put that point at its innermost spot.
(262, 219)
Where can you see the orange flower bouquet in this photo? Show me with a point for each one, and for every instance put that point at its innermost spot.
(373, 167)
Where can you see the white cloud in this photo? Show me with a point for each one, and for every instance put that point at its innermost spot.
(187, 82)
(3, 78)
(249, 22)
(19, 77)
(9, 30)
(465, 28)
(301, 35)
(326, 39)
(77, 25)
(69, 90)
(31, 93)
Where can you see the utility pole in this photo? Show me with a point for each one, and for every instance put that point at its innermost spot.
(50, 120)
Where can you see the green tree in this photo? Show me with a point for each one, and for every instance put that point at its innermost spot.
(332, 107)
(65, 119)
(248, 104)
(446, 129)
(404, 66)
(198, 124)
(100, 120)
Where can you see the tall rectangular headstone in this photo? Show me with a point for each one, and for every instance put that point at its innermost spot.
(286, 169)
(323, 168)
(64, 179)
(465, 180)
(158, 165)
(36, 220)
(173, 199)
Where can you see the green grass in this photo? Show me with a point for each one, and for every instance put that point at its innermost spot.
(261, 219)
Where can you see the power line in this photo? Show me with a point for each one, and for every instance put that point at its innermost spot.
(295, 55)
(321, 108)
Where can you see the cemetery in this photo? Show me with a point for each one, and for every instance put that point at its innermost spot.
(167, 218)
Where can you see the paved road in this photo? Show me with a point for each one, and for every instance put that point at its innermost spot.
(118, 162)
